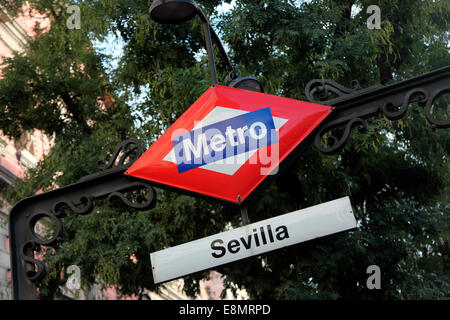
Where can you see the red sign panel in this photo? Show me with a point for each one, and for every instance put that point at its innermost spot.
(227, 142)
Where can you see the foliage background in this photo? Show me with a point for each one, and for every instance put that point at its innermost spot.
(397, 174)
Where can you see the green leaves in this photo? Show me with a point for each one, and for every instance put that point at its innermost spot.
(396, 174)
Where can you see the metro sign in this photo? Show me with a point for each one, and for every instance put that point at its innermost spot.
(227, 142)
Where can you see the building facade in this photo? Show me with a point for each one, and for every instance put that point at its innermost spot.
(16, 155)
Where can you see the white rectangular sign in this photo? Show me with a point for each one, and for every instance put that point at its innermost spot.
(253, 239)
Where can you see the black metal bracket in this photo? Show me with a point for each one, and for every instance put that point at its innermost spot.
(110, 184)
(351, 107)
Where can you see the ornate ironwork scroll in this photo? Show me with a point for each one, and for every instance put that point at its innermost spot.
(127, 150)
(353, 106)
(323, 88)
(79, 198)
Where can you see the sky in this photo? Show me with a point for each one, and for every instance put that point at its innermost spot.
(113, 44)
(113, 47)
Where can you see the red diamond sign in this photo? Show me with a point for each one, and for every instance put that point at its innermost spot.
(227, 142)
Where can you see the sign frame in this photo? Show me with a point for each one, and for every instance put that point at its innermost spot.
(257, 238)
(152, 168)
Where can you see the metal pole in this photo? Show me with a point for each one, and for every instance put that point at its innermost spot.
(211, 35)
(222, 51)
(209, 46)
(244, 215)
(210, 49)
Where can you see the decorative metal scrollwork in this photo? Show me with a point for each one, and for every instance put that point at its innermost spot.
(131, 149)
(86, 201)
(335, 144)
(57, 232)
(415, 95)
(39, 270)
(422, 97)
(323, 88)
(435, 123)
(355, 104)
(141, 202)
(116, 186)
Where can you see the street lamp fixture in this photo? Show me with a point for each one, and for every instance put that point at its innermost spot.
(180, 11)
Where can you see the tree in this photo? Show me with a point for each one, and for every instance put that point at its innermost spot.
(396, 174)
